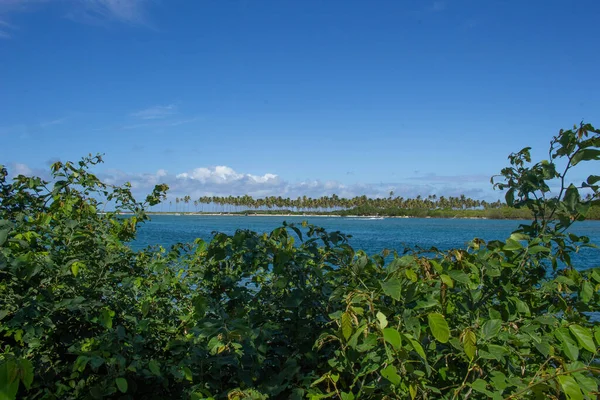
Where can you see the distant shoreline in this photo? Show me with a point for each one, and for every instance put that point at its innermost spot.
(373, 217)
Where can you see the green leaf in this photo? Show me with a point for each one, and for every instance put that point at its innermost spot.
(412, 389)
(4, 229)
(121, 384)
(491, 328)
(522, 307)
(568, 346)
(416, 346)
(188, 374)
(154, 368)
(460, 276)
(75, 267)
(9, 383)
(392, 288)
(538, 249)
(410, 274)
(26, 372)
(480, 385)
(346, 325)
(392, 336)
(570, 387)
(585, 155)
(584, 337)
(512, 245)
(391, 374)
(593, 179)
(383, 322)
(469, 344)
(106, 317)
(439, 327)
(571, 197)
(587, 292)
(347, 396)
(447, 280)
(353, 342)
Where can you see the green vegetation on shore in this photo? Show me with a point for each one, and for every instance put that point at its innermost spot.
(295, 313)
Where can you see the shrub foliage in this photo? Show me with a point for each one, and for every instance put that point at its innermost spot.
(295, 313)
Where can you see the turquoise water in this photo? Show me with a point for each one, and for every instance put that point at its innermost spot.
(370, 235)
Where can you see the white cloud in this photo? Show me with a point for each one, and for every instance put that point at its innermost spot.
(21, 169)
(58, 121)
(131, 11)
(156, 112)
(84, 11)
(224, 181)
(438, 6)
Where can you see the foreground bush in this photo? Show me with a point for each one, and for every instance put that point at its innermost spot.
(296, 313)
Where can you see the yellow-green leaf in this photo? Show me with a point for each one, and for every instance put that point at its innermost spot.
(346, 325)
(392, 336)
(439, 327)
(570, 387)
(583, 336)
(391, 374)
(470, 344)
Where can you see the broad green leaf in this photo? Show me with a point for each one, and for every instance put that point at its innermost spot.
(538, 249)
(587, 384)
(354, 338)
(75, 267)
(439, 327)
(587, 291)
(412, 390)
(460, 276)
(383, 322)
(392, 288)
(480, 385)
(392, 336)
(346, 325)
(347, 396)
(410, 274)
(568, 346)
(469, 344)
(391, 374)
(188, 374)
(491, 328)
(154, 367)
(584, 337)
(4, 229)
(585, 155)
(447, 280)
(26, 372)
(571, 197)
(416, 346)
(512, 245)
(593, 179)
(106, 317)
(522, 307)
(121, 384)
(517, 236)
(498, 352)
(9, 382)
(570, 387)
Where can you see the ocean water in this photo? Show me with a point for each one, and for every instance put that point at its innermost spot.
(371, 235)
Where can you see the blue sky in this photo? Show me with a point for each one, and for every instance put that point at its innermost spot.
(294, 97)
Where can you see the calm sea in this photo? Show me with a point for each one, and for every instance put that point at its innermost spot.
(370, 235)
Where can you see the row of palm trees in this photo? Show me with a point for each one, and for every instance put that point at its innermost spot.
(324, 203)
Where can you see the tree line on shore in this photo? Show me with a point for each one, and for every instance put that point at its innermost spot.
(325, 203)
(430, 206)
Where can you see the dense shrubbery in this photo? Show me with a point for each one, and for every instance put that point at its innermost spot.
(296, 313)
